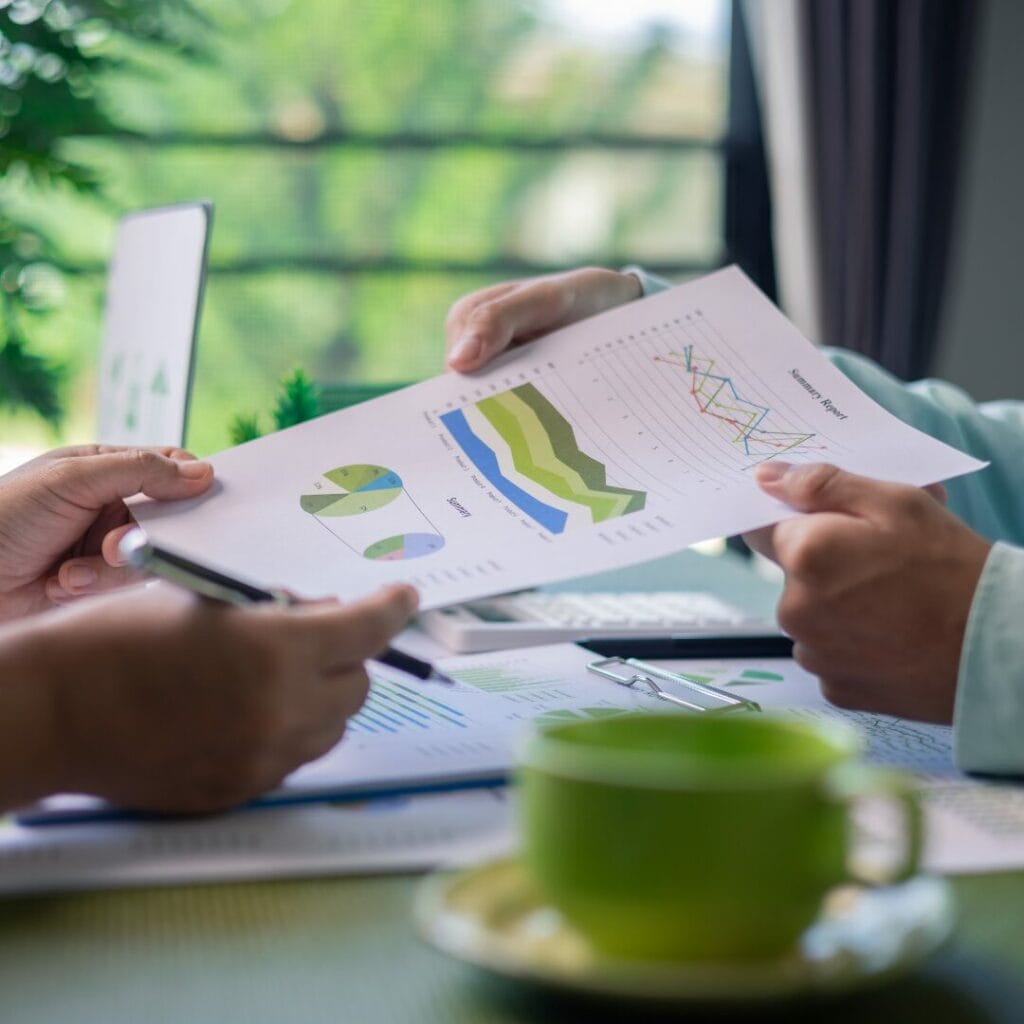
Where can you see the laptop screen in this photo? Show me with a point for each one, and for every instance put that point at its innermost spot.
(154, 295)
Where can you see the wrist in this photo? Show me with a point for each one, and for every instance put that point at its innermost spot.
(31, 758)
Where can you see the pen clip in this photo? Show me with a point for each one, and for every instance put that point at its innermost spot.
(645, 675)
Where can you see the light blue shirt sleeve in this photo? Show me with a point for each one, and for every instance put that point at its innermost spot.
(988, 721)
(991, 500)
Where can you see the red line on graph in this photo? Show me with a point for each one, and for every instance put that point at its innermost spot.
(738, 413)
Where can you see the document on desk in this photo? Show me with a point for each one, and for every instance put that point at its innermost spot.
(398, 742)
(372, 837)
(973, 825)
(619, 439)
(408, 738)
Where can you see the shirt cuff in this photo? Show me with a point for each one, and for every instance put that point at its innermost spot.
(988, 720)
(649, 283)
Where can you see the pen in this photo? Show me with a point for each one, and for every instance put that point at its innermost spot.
(217, 586)
(773, 645)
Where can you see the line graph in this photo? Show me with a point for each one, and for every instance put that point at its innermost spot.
(741, 420)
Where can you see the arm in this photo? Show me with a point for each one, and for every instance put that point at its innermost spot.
(160, 701)
(989, 715)
(28, 747)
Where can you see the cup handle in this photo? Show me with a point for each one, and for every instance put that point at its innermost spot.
(851, 784)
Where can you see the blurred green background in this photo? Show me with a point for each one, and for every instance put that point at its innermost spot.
(370, 161)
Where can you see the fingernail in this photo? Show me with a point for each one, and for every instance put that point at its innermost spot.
(770, 472)
(193, 470)
(80, 576)
(465, 350)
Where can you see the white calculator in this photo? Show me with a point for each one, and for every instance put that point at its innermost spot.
(535, 617)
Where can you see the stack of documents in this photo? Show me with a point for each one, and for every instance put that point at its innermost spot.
(463, 743)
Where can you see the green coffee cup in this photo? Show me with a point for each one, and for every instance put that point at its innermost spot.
(704, 837)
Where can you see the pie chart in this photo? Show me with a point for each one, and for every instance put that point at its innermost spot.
(404, 546)
(352, 491)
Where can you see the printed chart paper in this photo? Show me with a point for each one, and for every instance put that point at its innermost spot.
(475, 731)
(616, 440)
(374, 837)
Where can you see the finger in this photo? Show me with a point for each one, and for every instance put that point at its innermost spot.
(105, 477)
(762, 541)
(530, 308)
(349, 689)
(494, 324)
(80, 577)
(342, 636)
(114, 518)
(827, 550)
(55, 593)
(110, 549)
(77, 451)
(824, 488)
(938, 492)
(458, 315)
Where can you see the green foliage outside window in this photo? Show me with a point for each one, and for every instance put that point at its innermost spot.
(370, 160)
(52, 53)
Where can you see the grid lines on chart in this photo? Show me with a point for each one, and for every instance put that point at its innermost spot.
(695, 446)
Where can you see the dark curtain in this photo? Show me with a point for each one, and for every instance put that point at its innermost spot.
(748, 207)
(888, 81)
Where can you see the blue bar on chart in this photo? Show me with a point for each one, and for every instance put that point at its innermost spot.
(393, 708)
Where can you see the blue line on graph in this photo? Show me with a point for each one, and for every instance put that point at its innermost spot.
(415, 698)
(483, 457)
(367, 716)
(397, 719)
(400, 717)
(397, 706)
(725, 382)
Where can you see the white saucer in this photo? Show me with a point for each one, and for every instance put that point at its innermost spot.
(491, 916)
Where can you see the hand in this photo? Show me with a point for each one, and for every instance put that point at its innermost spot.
(62, 514)
(879, 581)
(161, 701)
(485, 323)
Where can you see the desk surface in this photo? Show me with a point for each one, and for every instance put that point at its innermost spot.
(342, 950)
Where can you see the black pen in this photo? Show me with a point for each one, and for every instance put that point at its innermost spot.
(218, 586)
(772, 645)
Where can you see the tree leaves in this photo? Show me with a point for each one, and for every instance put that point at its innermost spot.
(50, 53)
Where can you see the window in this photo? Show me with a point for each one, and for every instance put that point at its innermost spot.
(371, 160)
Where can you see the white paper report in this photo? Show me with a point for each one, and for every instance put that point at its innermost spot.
(618, 439)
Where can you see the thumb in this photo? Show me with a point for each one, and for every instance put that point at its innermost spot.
(516, 315)
(97, 480)
(822, 488)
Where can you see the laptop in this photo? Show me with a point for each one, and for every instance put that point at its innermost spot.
(153, 302)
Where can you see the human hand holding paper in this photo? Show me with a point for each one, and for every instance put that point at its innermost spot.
(62, 515)
(879, 581)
